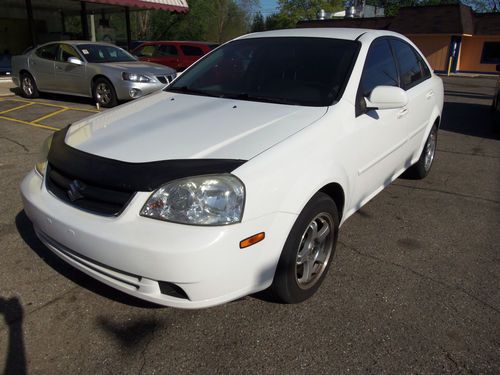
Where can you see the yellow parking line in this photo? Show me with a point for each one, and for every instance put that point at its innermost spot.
(51, 105)
(49, 115)
(15, 108)
(28, 123)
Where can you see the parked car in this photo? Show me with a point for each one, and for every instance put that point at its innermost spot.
(5, 63)
(177, 55)
(99, 70)
(237, 176)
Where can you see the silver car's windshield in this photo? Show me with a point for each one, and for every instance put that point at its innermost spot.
(102, 53)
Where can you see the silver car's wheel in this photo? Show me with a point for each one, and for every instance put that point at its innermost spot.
(308, 251)
(104, 93)
(28, 86)
(314, 250)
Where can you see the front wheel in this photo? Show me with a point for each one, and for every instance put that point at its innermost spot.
(308, 251)
(104, 93)
(422, 167)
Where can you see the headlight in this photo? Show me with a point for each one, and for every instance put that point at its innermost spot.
(41, 164)
(134, 77)
(200, 200)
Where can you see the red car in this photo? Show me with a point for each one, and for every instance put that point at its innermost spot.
(177, 55)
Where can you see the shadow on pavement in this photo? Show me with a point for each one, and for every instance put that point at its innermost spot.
(13, 313)
(58, 97)
(25, 229)
(469, 119)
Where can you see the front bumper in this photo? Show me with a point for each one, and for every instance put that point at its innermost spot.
(134, 254)
(124, 89)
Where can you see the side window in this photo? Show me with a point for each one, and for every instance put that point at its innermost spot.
(192, 51)
(47, 52)
(65, 52)
(167, 50)
(380, 68)
(410, 68)
(146, 51)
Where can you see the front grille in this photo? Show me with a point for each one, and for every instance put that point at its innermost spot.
(81, 194)
(165, 79)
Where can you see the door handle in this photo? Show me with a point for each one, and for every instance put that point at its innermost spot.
(429, 95)
(58, 67)
(403, 113)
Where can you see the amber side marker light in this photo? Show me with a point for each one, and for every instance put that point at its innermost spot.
(252, 240)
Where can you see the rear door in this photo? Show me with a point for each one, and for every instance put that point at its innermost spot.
(379, 135)
(42, 66)
(415, 80)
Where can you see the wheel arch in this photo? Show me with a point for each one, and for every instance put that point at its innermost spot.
(26, 71)
(335, 191)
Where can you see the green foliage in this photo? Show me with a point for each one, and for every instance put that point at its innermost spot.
(307, 9)
(214, 20)
(258, 23)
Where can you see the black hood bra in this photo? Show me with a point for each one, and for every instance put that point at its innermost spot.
(127, 176)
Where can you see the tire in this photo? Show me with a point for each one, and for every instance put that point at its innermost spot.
(104, 93)
(28, 86)
(300, 272)
(423, 166)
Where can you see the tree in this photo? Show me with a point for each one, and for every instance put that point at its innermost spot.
(215, 20)
(258, 23)
(307, 9)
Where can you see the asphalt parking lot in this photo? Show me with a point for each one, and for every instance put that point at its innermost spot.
(414, 287)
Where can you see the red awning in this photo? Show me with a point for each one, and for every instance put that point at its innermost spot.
(171, 5)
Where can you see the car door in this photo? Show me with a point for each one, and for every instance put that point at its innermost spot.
(379, 135)
(70, 77)
(42, 66)
(414, 77)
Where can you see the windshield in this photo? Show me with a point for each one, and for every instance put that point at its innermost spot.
(102, 53)
(287, 70)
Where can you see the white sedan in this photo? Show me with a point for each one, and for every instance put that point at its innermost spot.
(237, 176)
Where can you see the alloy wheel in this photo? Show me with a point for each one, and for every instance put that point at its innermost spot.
(314, 250)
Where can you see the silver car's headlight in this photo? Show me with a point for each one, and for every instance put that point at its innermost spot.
(199, 200)
(41, 163)
(134, 77)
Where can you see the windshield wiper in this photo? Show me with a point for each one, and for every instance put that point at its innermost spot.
(187, 90)
(264, 99)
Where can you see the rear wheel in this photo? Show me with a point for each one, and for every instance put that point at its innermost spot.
(104, 93)
(308, 251)
(422, 167)
(28, 86)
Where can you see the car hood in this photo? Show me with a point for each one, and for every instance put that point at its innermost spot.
(166, 126)
(140, 67)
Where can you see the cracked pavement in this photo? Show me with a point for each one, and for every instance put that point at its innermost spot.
(414, 286)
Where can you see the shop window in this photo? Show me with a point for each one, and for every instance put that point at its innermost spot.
(491, 53)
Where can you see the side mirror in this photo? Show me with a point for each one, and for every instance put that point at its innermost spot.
(75, 61)
(387, 97)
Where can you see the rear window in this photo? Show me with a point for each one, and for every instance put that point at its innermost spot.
(412, 68)
(192, 51)
(48, 52)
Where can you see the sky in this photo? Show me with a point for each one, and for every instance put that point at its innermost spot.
(268, 7)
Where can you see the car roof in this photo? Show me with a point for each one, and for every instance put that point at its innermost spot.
(78, 42)
(330, 32)
(180, 42)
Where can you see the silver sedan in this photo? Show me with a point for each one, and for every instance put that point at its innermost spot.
(98, 70)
